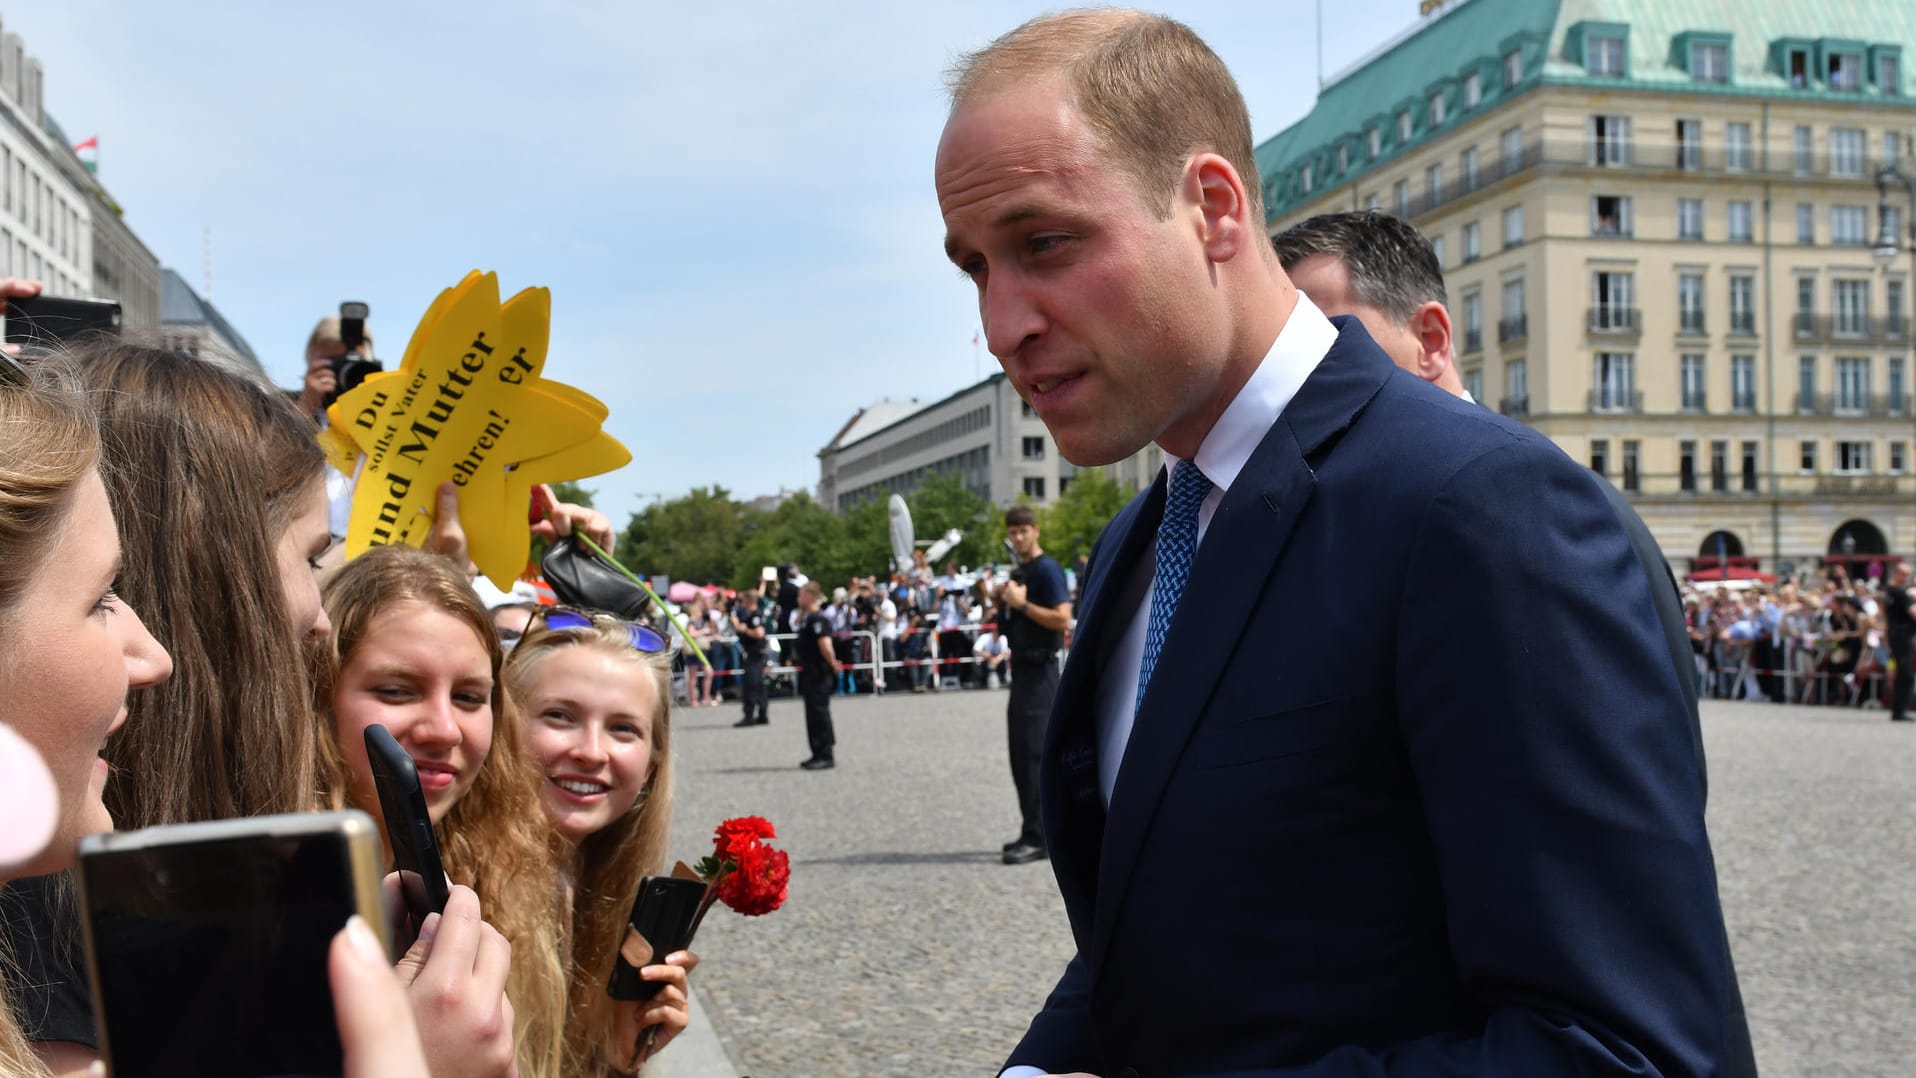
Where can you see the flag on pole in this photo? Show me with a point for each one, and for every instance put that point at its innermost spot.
(89, 144)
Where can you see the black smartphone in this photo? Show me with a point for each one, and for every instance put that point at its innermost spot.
(207, 942)
(422, 877)
(46, 321)
(664, 915)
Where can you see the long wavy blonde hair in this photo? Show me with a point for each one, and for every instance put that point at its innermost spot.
(494, 839)
(608, 865)
(49, 441)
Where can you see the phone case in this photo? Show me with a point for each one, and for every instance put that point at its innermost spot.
(664, 915)
(422, 874)
(185, 932)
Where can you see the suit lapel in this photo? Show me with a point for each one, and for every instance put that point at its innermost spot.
(1074, 817)
(1240, 550)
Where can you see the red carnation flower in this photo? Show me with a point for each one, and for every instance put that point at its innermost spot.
(757, 886)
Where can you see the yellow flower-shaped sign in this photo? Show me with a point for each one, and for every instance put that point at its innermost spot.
(468, 404)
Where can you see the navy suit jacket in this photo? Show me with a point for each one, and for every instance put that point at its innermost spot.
(1413, 790)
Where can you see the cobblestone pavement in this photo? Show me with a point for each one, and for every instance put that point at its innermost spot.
(907, 949)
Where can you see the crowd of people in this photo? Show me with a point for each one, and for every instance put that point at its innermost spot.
(1833, 639)
(138, 482)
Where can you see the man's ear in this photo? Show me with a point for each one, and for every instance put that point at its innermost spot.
(1431, 324)
(1216, 191)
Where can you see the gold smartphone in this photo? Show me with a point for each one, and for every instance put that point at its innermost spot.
(207, 942)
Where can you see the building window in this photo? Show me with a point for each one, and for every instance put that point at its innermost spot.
(1889, 75)
(1034, 487)
(1473, 322)
(1852, 458)
(1473, 90)
(1615, 382)
(1437, 249)
(1374, 204)
(1612, 298)
(1740, 222)
(1807, 458)
(1852, 308)
(1689, 218)
(1517, 383)
(1474, 384)
(1034, 448)
(1852, 384)
(1473, 242)
(1805, 306)
(1846, 151)
(1689, 135)
(1468, 168)
(1609, 140)
(1800, 150)
(1603, 57)
(1719, 466)
(1749, 467)
(1709, 62)
(1513, 69)
(1686, 466)
(1304, 178)
(1736, 147)
(1402, 193)
(1513, 326)
(1694, 395)
(1403, 127)
(1632, 458)
(1373, 143)
(1743, 383)
(1690, 303)
(1898, 398)
(1600, 456)
(1436, 108)
(1027, 410)
(1806, 385)
(1511, 142)
(1849, 226)
(1610, 215)
(1846, 71)
(1742, 304)
(1805, 223)
(1343, 157)
(1513, 226)
(1433, 185)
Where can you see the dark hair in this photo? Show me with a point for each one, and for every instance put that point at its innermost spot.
(1020, 516)
(1392, 266)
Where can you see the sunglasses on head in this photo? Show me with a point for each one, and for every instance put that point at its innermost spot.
(642, 637)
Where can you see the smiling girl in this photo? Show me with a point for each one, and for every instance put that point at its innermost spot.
(595, 696)
(413, 650)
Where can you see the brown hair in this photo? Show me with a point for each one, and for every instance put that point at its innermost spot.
(205, 469)
(49, 441)
(1020, 516)
(494, 840)
(1151, 89)
(609, 864)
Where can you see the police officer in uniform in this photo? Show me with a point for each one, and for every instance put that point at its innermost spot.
(750, 626)
(816, 665)
(1034, 608)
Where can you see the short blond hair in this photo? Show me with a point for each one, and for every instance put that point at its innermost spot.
(1151, 90)
(327, 332)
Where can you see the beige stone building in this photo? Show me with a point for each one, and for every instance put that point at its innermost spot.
(1656, 224)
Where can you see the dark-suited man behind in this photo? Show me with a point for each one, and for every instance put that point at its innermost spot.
(1307, 784)
(1378, 269)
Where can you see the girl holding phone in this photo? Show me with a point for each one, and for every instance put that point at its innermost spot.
(595, 693)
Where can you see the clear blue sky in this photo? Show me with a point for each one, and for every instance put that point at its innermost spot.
(732, 203)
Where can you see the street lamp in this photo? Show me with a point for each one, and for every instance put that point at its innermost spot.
(1889, 245)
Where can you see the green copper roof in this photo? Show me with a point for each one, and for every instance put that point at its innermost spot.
(1475, 35)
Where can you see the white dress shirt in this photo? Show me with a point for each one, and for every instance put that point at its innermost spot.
(1305, 339)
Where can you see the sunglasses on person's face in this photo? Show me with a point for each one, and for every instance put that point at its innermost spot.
(643, 638)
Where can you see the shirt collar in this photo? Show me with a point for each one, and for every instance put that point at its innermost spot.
(1302, 343)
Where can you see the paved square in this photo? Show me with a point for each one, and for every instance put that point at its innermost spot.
(907, 949)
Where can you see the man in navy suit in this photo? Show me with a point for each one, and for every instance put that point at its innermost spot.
(1367, 758)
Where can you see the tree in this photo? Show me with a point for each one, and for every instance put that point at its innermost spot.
(943, 503)
(1073, 522)
(694, 538)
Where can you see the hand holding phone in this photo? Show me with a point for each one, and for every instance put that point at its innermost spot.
(422, 876)
(455, 980)
(664, 915)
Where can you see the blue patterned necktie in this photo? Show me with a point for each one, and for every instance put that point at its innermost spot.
(1177, 546)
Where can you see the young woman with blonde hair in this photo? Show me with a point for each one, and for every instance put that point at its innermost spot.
(595, 694)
